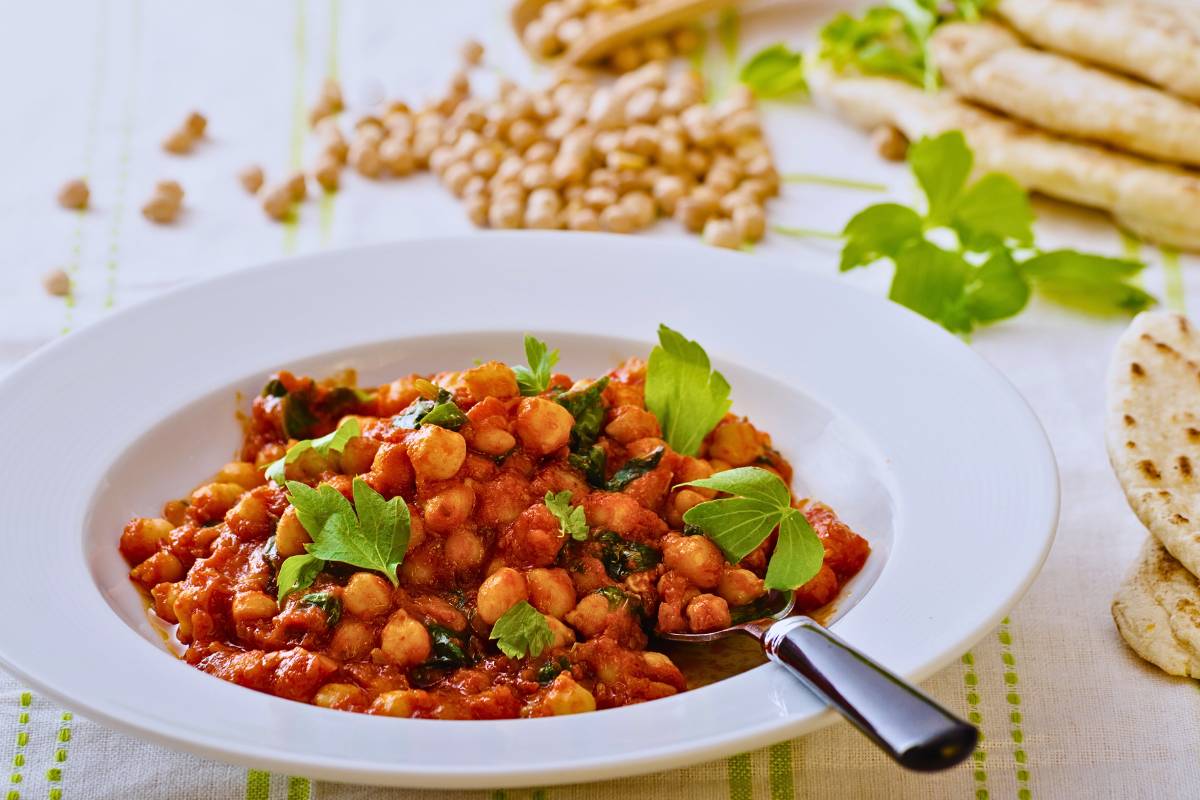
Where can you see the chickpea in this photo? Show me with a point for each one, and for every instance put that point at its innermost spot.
(161, 567)
(521, 134)
(74, 194)
(397, 156)
(566, 169)
(551, 591)
(367, 595)
(889, 143)
(736, 443)
(600, 197)
(142, 537)
(668, 190)
(456, 176)
(563, 635)
(57, 283)
(405, 641)
(471, 52)
(250, 606)
(542, 209)
(543, 426)
(626, 58)
(583, 219)
(364, 157)
(178, 142)
(352, 640)
(391, 470)
(672, 152)
(695, 558)
(700, 126)
(590, 615)
(464, 550)
(684, 500)
(161, 209)
(740, 586)
(251, 178)
(537, 176)
(449, 508)
(685, 40)
(693, 213)
(644, 106)
(506, 214)
(340, 696)
(277, 202)
(658, 48)
(631, 423)
(707, 612)
(605, 112)
(492, 440)
(499, 592)
(477, 209)
(640, 207)
(721, 233)
(750, 222)
(400, 703)
(195, 124)
(213, 500)
(437, 453)
(565, 696)
(616, 219)
(243, 473)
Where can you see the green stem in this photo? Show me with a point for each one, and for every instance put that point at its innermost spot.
(830, 180)
(805, 233)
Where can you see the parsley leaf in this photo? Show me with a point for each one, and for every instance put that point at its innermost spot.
(878, 43)
(941, 166)
(587, 407)
(571, 519)
(534, 378)
(996, 289)
(441, 411)
(1097, 284)
(774, 71)
(298, 572)
(334, 442)
(877, 232)
(684, 392)
(327, 602)
(995, 209)
(522, 631)
(372, 534)
(931, 281)
(739, 524)
(634, 468)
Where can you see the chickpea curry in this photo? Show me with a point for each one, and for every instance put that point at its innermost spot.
(494, 543)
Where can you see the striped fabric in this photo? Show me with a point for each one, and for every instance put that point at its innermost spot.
(1064, 709)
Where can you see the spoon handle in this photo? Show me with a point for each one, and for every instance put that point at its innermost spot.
(904, 722)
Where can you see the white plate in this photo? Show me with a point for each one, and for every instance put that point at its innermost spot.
(911, 437)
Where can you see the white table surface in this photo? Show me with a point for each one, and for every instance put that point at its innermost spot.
(90, 89)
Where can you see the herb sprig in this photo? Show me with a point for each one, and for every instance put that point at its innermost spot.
(571, 519)
(687, 395)
(741, 523)
(775, 71)
(533, 379)
(522, 631)
(334, 442)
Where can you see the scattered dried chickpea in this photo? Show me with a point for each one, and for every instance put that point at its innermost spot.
(164, 205)
(472, 53)
(328, 173)
(721, 233)
(297, 185)
(195, 124)
(251, 178)
(74, 194)
(277, 201)
(179, 142)
(57, 282)
(890, 143)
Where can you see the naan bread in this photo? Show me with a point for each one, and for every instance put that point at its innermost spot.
(1156, 201)
(986, 63)
(1153, 429)
(1157, 43)
(1157, 611)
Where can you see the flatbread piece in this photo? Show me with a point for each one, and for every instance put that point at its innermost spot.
(1157, 611)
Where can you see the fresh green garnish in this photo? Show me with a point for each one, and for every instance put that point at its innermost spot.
(522, 631)
(441, 411)
(587, 407)
(613, 595)
(448, 650)
(988, 273)
(591, 462)
(634, 468)
(684, 392)
(334, 442)
(327, 602)
(621, 557)
(298, 411)
(550, 670)
(571, 519)
(298, 572)
(370, 534)
(534, 378)
(775, 71)
(739, 524)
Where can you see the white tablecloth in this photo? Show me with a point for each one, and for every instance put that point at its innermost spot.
(90, 89)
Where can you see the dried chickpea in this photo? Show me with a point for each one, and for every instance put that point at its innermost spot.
(626, 58)
(178, 142)
(328, 173)
(161, 208)
(667, 190)
(456, 176)
(74, 194)
(277, 202)
(477, 210)
(541, 210)
(616, 219)
(750, 222)
(721, 233)
(195, 124)
(297, 185)
(364, 157)
(471, 52)
(251, 178)
(583, 219)
(506, 213)
(658, 48)
(397, 156)
(57, 282)
(889, 143)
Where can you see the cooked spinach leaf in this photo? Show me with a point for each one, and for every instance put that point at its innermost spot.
(587, 407)
(327, 602)
(441, 411)
(591, 463)
(621, 557)
(634, 468)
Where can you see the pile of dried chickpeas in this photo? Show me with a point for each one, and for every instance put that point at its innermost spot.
(561, 23)
(579, 155)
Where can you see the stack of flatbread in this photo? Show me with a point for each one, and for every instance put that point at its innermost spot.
(1096, 102)
(1153, 431)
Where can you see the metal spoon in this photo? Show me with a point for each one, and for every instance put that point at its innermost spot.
(898, 717)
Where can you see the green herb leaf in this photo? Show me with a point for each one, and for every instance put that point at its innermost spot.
(327, 602)
(441, 411)
(635, 468)
(881, 42)
(798, 554)
(587, 407)
(571, 519)
(448, 652)
(684, 392)
(522, 631)
(879, 231)
(591, 462)
(739, 524)
(613, 595)
(621, 557)
(1092, 283)
(298, 572)
(549, 671)
(372, 534)
(931, 281)
(334, 442)
(274, 388)
(534, 378)
(941, 165)
(995, 209)
(996, 289)
(775, 71)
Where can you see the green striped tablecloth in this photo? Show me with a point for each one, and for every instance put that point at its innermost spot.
(1065, 710)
